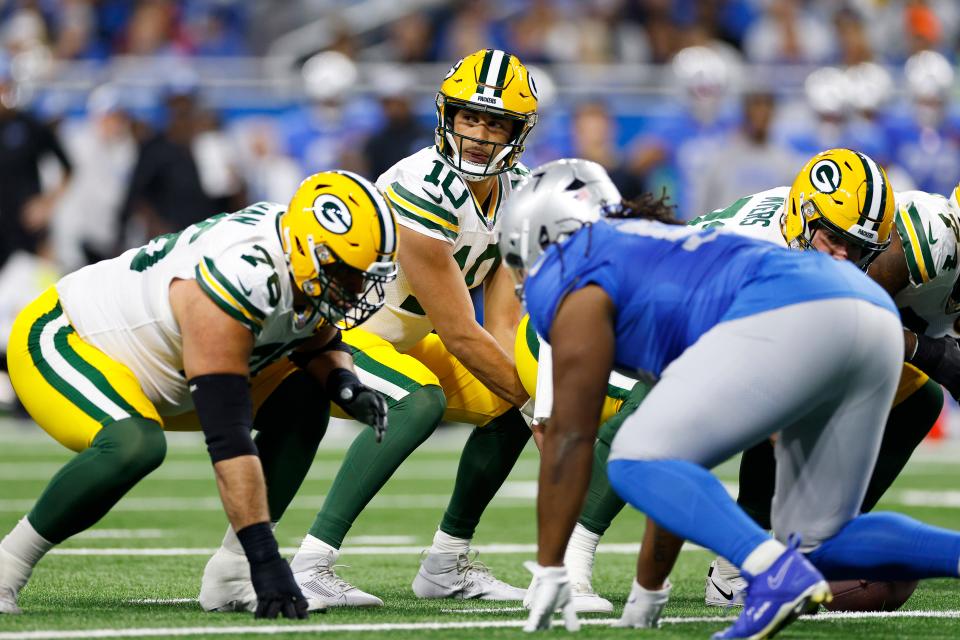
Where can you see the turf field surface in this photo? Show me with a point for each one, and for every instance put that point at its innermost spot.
(137, 573)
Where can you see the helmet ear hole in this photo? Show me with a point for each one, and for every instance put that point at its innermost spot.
(300, 247)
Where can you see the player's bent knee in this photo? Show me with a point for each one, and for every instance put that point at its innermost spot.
(137, 445)
(427, 403)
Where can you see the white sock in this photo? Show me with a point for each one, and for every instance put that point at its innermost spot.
(311, 544)
(445, 543)
(761, 558)
(26, 547)
(726, 569)
(581, 551)
(232, 543)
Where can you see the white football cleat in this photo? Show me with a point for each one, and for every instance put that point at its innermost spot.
(12, 578)
(226, 584)
(322, 587)
(448, 575)
(643, 608)
(586, 600)
(725, 587)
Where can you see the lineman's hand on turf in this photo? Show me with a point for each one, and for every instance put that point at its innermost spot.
(548, 592)
(277, 592)
(365, 405)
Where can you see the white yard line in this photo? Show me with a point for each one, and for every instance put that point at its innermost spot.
(146, 632)
(360, 550)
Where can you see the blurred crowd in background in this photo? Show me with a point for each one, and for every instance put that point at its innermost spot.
(121, 120)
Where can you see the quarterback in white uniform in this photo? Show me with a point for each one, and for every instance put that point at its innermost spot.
(230, 324)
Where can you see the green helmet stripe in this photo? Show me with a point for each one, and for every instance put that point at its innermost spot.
(502, 73)
(484, 71)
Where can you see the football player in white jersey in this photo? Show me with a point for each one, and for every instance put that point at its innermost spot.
(425, 351)
(231, 324)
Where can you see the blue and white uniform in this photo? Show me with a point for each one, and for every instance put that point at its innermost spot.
(747, 339)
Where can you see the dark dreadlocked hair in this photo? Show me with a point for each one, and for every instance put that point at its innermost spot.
(647, 207)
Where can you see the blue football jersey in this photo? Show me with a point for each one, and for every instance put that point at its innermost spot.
(671, 284)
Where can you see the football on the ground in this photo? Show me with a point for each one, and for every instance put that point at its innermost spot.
(867, 595)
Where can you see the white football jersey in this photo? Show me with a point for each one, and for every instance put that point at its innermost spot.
(929, 228)
(122, 306)
(928, 224)
(431, 198)
(757, 216)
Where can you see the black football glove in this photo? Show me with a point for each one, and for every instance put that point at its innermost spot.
(939, 358)
(277, 592)
(361, 403)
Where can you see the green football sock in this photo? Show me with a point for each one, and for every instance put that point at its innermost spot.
(486, 461)
(291, 424)
(908, 424)
(603, 504)
(87, 487)
(368, 465)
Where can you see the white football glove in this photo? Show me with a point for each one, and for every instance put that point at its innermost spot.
(549, 591)
(643, 607)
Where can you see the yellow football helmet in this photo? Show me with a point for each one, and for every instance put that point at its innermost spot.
(494, 82)
(339, 235)
(846, 192)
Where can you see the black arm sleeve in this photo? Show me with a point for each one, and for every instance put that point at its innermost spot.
(303, 358)
(225, 409)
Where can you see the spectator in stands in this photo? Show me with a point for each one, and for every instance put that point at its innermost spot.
(25, 208)
(594, 137)
(750, 161)
(787, 33)
(401, 134)
(927, 138)
(673, 152)
(165, 191)
(269, 173)
(103, 150)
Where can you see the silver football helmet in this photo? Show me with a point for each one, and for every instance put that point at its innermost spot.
(556, 200)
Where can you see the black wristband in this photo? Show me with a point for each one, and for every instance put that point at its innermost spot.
(338, 380)
(258, 543)
(928, 355)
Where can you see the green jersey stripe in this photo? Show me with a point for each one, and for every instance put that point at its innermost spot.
(232, 290)
(425, 204)
(382, 371)
(225, 306)
(533, 341)
(923, 241)
(404, 213)
(52, 377)
(88, 371)
(412, 305)
(915, 275)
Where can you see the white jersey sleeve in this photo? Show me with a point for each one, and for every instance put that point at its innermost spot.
(244, 281)
(929, 230)
(757, 216)
(421, 205)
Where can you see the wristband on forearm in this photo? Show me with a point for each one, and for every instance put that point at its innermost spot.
(258, 543)
(928, 355)
(341, 384)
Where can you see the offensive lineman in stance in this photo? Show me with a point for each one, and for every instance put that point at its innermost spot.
(231, 324)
